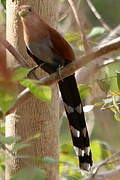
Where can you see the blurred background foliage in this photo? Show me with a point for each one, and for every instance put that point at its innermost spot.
(105, 125)
(100, 93)
(109, 9)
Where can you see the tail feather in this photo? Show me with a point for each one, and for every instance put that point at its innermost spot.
(75, 114)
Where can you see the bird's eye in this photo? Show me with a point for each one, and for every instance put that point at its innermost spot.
(29, 9)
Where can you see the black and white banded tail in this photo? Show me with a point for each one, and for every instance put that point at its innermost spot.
(75, 114)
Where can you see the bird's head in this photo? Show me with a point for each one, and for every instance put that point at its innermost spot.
(33, 25)
(25, 11)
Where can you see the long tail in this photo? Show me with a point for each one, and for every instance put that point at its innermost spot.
(75, 114)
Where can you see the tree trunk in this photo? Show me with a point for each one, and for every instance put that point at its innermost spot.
(33, 116)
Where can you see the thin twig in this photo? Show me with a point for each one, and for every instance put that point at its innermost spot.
(79, 23)
(97, 15)
(94, 67)
(12, 50)
(104, 64)
(114, 161)
(106, 161)
(108, 107)
(103, 163)
(7, 149)
(106, 175)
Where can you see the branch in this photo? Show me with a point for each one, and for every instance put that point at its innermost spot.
(86, 73)
(79, 23)
(16, 54)
(107, 62)
(97, 15)
(109, 160)
(4, 147)
(113, 174)
(72, 67)
(91, 71)
(106, 174)
(12, 50)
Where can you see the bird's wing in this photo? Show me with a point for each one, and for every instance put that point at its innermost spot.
(60, 46)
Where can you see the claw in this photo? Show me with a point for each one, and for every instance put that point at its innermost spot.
(59, 72)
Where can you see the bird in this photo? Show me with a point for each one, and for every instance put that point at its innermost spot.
(47, 47)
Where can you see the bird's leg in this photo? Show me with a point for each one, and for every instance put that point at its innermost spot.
(59, 71)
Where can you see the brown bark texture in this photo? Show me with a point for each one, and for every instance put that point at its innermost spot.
(33, 116)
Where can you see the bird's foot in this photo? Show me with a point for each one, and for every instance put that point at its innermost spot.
(59, 72)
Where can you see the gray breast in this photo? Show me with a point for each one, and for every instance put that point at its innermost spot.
(42, 50)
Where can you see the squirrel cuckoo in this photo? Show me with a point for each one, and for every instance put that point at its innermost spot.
(51, 51)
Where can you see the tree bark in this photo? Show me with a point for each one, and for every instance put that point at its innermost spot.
(33, 116)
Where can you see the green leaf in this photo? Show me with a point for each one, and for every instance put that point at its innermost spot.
(32, 137)
(72, 37)
(7, 100)
(96, 150)
(9, 140)
(117, 116)
(88, 108)
(32, 173)
(84, 90)
(1, 115)
(69, 165)
(4, 3)
(2, 128)
(100, 150)
(118, 80)
(96, 32)
(20, 146)
(19, 156)
(115, 103)
(20, 73)
(67, 149)
(43, 93)
(2, 167)
(49, 160)
(2, 162)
